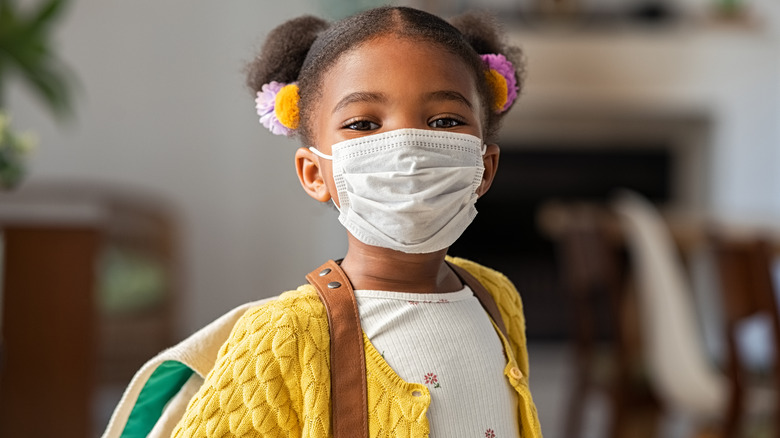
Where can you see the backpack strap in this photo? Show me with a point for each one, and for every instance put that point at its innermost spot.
(348, 388)
(482, 294)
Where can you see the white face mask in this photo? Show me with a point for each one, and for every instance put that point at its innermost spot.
(411, 190)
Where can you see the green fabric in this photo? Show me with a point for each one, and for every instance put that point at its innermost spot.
(162, 385)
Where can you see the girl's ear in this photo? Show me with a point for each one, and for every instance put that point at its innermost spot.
(310, 175)
(490, 159)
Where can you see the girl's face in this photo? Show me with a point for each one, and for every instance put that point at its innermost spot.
(386, 84)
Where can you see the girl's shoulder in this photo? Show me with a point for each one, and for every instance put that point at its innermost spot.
(500, 287)
(291, 312)
(494, 281)
(264, 347)
(303, 300)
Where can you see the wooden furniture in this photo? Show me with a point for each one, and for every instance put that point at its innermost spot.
(142, 232)
(59, 339)
(48, 329)
(745, 272)
(607, 353)
(667, 342)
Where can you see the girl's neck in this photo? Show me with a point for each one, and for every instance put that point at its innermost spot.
(374, 268)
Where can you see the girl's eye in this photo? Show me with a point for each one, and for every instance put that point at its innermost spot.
(445, 123)
(362, 125)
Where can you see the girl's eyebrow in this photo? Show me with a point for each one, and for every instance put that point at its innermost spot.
(449, 95)
(376, 97)
(360, 96)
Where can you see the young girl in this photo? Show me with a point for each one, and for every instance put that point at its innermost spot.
(397, 111)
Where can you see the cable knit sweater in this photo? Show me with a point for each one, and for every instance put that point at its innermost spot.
(272, 377)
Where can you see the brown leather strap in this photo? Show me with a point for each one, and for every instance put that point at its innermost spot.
(484, 297)
(349, 405)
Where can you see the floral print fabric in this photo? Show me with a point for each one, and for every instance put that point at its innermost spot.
(447, 343)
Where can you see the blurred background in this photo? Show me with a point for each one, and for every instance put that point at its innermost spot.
(153, 201)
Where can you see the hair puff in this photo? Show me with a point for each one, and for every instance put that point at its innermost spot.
(284, 51)
(485, 35)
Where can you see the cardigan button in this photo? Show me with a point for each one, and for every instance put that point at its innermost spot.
(516, 373)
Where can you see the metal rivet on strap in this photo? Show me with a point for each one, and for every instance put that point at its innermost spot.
(324, 272)
(334, 285)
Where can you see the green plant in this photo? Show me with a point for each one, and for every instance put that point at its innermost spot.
(14, 150)
(26, 51)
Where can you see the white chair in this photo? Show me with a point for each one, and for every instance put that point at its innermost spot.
(679, 367)
(684, 377)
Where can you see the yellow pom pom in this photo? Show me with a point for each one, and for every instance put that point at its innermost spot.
(286, 106)
(498, 87)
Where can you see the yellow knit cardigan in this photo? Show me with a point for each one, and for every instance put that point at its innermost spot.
(272, 377)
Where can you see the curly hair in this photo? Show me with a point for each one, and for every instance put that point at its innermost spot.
(304, 48)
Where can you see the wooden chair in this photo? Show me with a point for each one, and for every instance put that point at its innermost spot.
(745, 271)
(592, 267)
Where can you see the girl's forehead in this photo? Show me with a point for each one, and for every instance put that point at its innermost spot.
(382, 59)
(393, 46)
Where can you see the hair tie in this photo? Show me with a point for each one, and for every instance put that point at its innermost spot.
(277, 106)
(500, 76)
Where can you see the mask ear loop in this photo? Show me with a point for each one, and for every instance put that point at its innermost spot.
(330, 157)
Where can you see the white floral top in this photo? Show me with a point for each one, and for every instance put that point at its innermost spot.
(446, 342)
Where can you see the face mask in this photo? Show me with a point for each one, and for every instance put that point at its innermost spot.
(411, 190)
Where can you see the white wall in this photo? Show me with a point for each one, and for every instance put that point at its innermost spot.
(163, 108)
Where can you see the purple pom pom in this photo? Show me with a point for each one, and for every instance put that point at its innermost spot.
(265, 103)
(504, 67)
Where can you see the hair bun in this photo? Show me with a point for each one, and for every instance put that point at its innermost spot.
(505, 62)
(284, 51)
